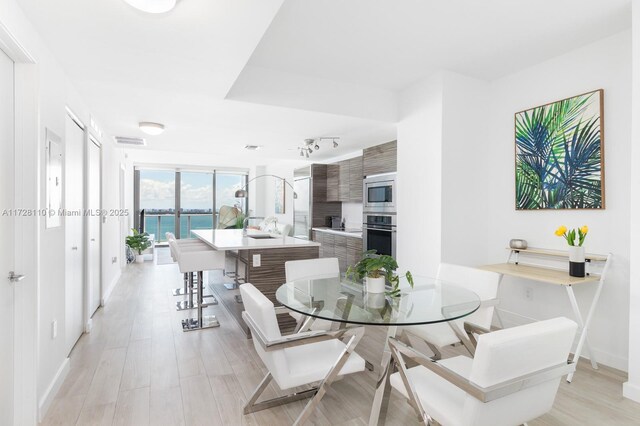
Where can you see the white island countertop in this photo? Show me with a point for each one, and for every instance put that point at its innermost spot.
(232, 239)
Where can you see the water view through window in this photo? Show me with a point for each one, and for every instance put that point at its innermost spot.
(157, 189)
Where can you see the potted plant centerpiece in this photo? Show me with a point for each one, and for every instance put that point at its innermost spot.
(377, 269)
(138, 242)
(575, 238)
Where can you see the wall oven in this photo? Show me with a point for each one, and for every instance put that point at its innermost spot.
(380, 193)
(379, 233)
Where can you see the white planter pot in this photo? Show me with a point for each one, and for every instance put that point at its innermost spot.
(139, 258)
(576, 261)
(375, 285)
(375, 300)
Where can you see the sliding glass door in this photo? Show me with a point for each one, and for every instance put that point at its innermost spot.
(156, 202)
(181, 201)
(196, 202)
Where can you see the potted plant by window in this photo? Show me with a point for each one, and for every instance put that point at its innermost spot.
(377, 270)
(138, 242)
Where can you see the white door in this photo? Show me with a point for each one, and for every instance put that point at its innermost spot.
(94, 205)
(6, 230)
(74, 241)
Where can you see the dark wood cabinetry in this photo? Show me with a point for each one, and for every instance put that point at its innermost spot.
(355, 179)
(344, 180)
(333, 182)
(380, 159)
(348, 250)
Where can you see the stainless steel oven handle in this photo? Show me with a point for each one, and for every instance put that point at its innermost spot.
(378, 229)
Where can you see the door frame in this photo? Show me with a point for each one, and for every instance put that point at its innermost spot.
(92, 139)
(27, 143)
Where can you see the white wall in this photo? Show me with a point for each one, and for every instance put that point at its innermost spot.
(54, 93)
(456, 182)
(465, 183)
(419, 177)
(577, 72)
(632, 387)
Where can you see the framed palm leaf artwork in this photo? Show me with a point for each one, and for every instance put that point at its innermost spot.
(560, 154)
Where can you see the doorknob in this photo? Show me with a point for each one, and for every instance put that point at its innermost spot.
(93, 239)
(74, 248)
(15, 278)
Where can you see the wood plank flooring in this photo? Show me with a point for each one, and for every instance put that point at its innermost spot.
(138, 368)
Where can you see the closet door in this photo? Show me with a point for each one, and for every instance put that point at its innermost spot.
(74, 233)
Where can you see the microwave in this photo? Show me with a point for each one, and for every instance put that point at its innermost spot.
(380, 193)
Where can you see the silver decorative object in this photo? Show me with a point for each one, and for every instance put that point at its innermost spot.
(518, 244)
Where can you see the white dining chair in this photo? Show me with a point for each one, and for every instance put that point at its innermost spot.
(310, 269)
(296, 360)
(512, 379)
(484, 284)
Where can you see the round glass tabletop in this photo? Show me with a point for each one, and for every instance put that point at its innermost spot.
(342, 300)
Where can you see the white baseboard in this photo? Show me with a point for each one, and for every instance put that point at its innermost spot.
(52, 389)
(109, 289)
(631, 391)
(512, 319)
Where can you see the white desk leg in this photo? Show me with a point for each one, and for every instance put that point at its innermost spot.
(383, 388)
(583, 341)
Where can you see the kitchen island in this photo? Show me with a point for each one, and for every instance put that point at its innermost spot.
(263, 257)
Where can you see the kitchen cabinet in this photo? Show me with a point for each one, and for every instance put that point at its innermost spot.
(354, 251)
(380, 159)
(344, 180)
(348, 250)
(355, 179)
(333, 182)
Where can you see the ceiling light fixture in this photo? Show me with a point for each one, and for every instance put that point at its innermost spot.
(151, 128)
(152, 6)
(314, 144)
(252, 147)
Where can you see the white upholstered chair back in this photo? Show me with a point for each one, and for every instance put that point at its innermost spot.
(513, 352)
(483, 283)
(263, 314)
(312, 269)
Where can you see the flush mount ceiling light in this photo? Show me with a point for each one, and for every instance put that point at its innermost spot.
(151, 128)
(152, 6)
(314, 144)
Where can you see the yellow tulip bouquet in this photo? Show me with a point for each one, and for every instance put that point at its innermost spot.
(570, 236)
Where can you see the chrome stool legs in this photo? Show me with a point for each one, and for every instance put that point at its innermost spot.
(192, 288)
(201, 321)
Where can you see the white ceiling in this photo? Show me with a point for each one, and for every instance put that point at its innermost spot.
(394, 43)
(177, 68)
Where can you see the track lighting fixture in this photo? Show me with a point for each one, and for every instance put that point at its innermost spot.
(314, 144)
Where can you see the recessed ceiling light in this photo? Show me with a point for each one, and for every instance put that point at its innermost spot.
(151, 128)
(252, 147)
(152, 6)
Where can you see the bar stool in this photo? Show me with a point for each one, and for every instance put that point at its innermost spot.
(183, 243)
(191, 261)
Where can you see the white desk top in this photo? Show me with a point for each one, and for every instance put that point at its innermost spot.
(232, 239)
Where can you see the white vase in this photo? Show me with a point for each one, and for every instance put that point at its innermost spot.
(375, 300)
(576, 261)
(375, 285)
(139, 258)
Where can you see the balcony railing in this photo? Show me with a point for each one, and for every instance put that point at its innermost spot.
(159, 224)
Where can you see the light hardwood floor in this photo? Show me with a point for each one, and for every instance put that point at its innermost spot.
(137, 368)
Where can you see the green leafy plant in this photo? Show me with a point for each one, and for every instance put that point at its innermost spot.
(138, 241)
(239, 221)
(374, 265)
(558, 155)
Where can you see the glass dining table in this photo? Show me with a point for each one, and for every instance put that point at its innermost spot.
(345, 302)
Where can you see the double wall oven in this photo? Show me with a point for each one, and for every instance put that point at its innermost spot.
(379, 218)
